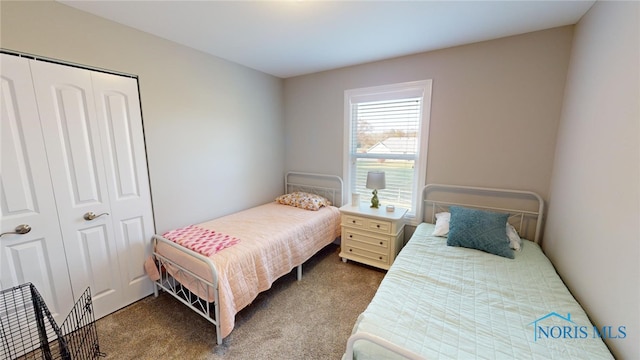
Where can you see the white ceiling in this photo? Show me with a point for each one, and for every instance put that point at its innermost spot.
(289, 38)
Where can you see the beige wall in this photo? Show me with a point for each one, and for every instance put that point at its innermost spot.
(593, 227)
(214, 129)
(495, 110)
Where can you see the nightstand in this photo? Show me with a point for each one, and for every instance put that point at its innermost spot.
(371, 236)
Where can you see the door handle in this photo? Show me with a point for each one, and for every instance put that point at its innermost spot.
(91, 215)
(20, 230)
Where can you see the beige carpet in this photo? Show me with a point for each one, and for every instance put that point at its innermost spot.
(307, 319)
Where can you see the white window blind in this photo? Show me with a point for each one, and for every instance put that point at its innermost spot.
(385, 133)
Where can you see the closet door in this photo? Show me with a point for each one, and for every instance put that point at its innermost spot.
(72, 140)
(27, 195)
(118, 112)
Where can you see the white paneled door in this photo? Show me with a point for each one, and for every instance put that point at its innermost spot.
(27, 196)
(72, 139)
(91, 141)
(119, 116)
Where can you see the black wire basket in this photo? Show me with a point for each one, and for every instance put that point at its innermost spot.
(28, 331)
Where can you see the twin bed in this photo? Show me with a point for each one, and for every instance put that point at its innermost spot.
(252, 249)
(456, 302)
(436, 301)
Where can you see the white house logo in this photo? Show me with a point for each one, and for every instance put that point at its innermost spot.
(556, 326)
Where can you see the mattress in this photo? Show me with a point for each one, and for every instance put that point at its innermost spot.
(274, 239)
(450, 302)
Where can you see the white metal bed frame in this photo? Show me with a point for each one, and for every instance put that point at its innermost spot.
(294, 181)
(516, 215)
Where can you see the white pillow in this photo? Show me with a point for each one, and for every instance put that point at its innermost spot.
(442, 224)
(514, 239)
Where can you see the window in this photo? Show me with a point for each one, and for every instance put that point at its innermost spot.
(386, 129)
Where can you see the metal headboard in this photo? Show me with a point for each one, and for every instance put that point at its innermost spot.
(524, 207)
(328, 186)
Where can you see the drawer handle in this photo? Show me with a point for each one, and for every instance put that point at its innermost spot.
(381, 243)
(350, 236)
(378, 226)
(380, 258)
(353, 221)
(350, 250)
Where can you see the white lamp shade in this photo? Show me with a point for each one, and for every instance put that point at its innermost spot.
(375, 180)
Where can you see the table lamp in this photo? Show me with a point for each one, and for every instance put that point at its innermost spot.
(375, 181)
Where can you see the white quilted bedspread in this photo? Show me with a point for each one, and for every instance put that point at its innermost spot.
(449, 302)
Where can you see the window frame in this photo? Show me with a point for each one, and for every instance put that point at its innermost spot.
(421, 88)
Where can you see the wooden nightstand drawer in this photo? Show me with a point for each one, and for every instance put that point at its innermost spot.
(383, 227)
(373, 243)
(358, 252)
(354, 221)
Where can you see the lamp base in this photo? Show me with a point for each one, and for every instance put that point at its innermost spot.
(375, 203)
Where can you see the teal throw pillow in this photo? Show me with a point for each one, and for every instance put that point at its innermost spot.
(479, 229)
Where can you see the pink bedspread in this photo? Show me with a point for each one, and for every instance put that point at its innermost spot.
(275, 239)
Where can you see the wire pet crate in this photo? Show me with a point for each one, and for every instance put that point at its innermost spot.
(28, 331)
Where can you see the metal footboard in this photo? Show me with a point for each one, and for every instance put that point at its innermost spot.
(183, 292)
(363, 336)
(187, 292)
